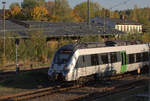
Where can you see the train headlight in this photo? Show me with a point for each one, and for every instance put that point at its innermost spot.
(52, 66)
(66, 70)
(49, 72)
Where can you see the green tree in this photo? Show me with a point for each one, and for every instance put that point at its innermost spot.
(146, 37)
(52, 46)
(134, 13)
(13, 5)
(62, 42)
(29, 4)
(114, 14)
(23, 50)
(2, 56)
(50, 6)
(91, 38)
(63, 11)
(10, 48)
(80, 10)
(38, 47)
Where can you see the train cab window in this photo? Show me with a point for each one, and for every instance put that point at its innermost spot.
(104, 58)
(138, 57)
(94, 60)
(131, 58)
(62, 56)
(145, 56)
(113, 57)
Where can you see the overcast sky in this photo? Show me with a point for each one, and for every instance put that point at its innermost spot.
(116, 4)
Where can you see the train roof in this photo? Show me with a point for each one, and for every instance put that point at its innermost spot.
(73, 47)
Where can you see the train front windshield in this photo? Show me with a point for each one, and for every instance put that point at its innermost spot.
(62, 57)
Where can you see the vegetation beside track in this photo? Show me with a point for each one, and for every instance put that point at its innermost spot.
(24, 81)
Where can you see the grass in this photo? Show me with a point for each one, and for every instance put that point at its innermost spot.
(24, 81)
(8, 91)
(26, 66)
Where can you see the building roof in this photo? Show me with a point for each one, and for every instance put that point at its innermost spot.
(55, 29)
(111, 22)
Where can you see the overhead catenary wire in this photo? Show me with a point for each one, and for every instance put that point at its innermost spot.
(119, 4)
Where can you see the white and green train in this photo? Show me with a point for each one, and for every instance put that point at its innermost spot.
(75, 61)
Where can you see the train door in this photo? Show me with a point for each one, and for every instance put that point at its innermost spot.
(123, 61)
(81, 64)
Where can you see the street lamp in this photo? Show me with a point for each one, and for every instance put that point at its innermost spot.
(104, 23)
(88, 12)
(149, 78)
(4, 2)
(17, 65)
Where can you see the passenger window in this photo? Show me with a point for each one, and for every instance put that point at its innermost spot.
(145, 56)
(113, 57)
(131, 58)
(118, 56)
(83, 61)
(104, 58)
(94, 60)
(138, 57)
(87, 60)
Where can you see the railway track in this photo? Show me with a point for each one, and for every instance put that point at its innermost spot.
(109, 91)
(97, 93)
(64, 87)
(37, 93)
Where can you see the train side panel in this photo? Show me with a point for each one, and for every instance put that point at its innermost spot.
(94, 64)
(110, 68)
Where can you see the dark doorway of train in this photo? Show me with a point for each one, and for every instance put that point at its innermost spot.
(123, 61)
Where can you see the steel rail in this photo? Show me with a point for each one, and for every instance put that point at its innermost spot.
(110, 90)
(62, 87)
(36, 93)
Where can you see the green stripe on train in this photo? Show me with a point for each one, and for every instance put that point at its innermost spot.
(123, 61)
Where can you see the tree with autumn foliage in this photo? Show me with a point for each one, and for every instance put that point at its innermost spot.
(28, 5)
(146, 37)
(15, 11)
(39, 13)
(114, 14)
(76, 16)
(50, 6)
